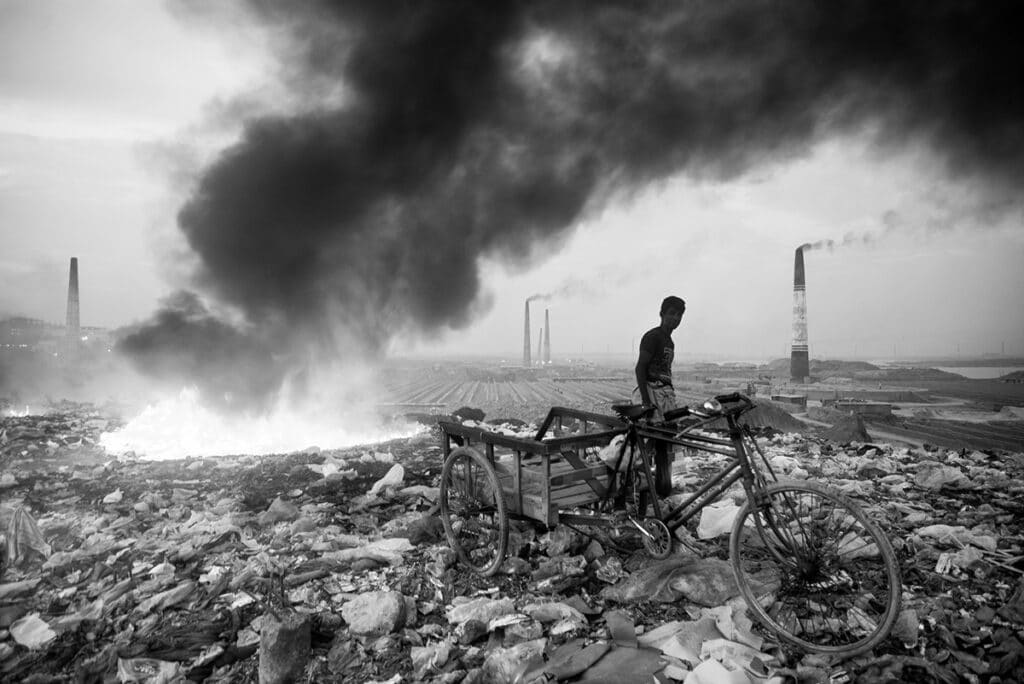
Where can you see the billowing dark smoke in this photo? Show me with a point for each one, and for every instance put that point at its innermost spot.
(459, 129)
(235, 366)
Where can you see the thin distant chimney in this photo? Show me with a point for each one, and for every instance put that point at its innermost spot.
(73, 328)
(526, 335)
(540, 342)
(547, 338)
(799, 364)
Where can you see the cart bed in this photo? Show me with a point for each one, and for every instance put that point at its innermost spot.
(553, 471)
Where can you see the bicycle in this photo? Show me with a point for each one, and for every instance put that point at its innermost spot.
(810, 564)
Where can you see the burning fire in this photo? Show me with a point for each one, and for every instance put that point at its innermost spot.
(181, 426)
(14, 413)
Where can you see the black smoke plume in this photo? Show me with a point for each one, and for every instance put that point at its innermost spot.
(456, 129)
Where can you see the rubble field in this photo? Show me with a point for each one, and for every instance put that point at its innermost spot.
(332, 566)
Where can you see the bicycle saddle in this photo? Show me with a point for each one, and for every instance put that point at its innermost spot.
(631, 411)
(677, 413)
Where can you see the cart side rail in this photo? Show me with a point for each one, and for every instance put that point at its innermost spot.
(480, 435)
(557, 414)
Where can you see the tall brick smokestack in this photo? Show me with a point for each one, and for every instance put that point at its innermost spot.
(526, 335)
(73, 327)
(799, 364)
(547, 337)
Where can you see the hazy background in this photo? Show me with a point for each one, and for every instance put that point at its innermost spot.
(112, 111)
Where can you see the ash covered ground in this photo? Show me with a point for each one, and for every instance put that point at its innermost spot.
(121, 569)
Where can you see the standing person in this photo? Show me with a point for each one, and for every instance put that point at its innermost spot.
(654, 381)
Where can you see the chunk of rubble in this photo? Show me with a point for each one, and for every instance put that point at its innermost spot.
(284, 647)
(375, 613)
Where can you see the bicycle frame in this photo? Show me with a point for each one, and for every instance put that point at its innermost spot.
(740, 467)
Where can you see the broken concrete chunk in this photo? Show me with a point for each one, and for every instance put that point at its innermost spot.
(375, 613)
(284, 647)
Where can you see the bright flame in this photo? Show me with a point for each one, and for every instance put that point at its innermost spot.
(182, 426)
(13, 413)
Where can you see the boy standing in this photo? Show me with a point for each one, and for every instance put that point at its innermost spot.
(654, 381)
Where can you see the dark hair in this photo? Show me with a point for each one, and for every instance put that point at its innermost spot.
(672, 303)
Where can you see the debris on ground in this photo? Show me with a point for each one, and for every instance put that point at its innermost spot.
(332, 566)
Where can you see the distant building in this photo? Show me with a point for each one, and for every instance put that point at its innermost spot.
(34, 334)
(28, 333)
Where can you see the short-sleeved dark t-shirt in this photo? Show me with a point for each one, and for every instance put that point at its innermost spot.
(662, 349)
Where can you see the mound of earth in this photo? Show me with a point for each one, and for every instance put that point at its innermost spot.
(848, 429)
(825, 367)
(826, 415)
(768, 414)
(1016, 376)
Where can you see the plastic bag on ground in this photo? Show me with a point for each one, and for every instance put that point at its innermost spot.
(716, 520)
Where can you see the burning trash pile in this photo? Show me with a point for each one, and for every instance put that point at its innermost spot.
(331, 565)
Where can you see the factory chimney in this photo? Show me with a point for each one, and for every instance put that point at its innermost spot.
(547, 338)
(540, 342)
(526, 336)
(799, 364)
(73, 329)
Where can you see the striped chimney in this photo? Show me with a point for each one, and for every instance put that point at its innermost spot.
(73, 328)
(799, 364)
(526, 335)
(547, 338)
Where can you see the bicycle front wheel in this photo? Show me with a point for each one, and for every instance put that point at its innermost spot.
(815, 570)
(473, 511)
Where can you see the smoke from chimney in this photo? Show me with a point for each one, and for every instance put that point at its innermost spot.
(459, 130)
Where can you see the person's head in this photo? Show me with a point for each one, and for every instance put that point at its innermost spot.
(672, 310)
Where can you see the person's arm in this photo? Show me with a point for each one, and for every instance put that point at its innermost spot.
(641, 375)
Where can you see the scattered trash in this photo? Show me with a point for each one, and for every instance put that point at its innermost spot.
(333, 565)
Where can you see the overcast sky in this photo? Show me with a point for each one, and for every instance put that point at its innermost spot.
(107, 106)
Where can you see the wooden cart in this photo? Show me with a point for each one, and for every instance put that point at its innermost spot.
(555, 476)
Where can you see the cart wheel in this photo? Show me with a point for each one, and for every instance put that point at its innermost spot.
(659, 544)
(473, 511)
(815, 570)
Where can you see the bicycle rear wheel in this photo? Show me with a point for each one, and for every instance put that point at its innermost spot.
(815, 570)
(473, 511)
